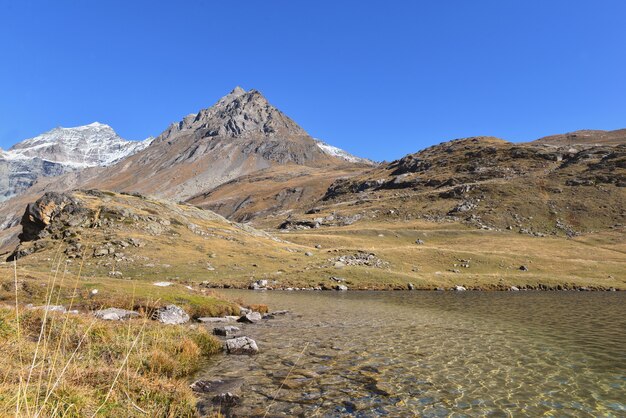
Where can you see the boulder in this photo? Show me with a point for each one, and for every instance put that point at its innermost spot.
(171, 315)
(341, 287)
(115, 314)
(241, 345)
(258, 285)
(419, 242)
(460, 288)
(514, 289)
(523, 268)
(250, 318)
(410, 286)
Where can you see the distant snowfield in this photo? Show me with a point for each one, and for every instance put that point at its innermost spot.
(338, 152)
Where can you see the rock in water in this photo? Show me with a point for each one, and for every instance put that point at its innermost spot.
(171, 315)
(241, 345)
(250, 318)
(226, 331)
(115, 314)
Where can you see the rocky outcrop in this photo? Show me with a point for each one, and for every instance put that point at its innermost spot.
(51, 206)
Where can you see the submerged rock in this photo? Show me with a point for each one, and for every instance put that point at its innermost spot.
(274, 314)
(171, 315)
(241, 345)
(115, 314)
(226, 331)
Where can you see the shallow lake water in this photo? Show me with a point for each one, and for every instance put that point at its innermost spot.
(433, 354)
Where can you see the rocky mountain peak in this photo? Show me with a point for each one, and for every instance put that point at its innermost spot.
(239, 114)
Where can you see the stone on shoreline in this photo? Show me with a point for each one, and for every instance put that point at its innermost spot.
(171, 315)
(460, 288)
(115, 314)
(212, 320)
(241, 345)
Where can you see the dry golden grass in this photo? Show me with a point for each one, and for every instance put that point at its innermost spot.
(73, 365)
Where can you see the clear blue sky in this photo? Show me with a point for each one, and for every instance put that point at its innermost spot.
(378, 78)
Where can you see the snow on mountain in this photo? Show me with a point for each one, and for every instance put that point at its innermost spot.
(338, 152)
(59, 151)
(90, 145)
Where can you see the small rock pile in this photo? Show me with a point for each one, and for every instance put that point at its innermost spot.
(360, 259)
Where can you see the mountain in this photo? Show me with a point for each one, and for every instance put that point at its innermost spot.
(585, 137)
(539, 188)
(59, 151)
(241, 134)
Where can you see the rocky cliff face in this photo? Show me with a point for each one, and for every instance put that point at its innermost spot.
(60, 151)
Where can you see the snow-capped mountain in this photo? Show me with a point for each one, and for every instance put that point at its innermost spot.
(338, 152)
(90, 145)
(59, 151)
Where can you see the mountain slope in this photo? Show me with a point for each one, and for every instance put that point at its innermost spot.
(59, 151)
(135, 237)
(242, 133)
(532, 188)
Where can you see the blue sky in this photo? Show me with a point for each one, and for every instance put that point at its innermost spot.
(378, 78)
